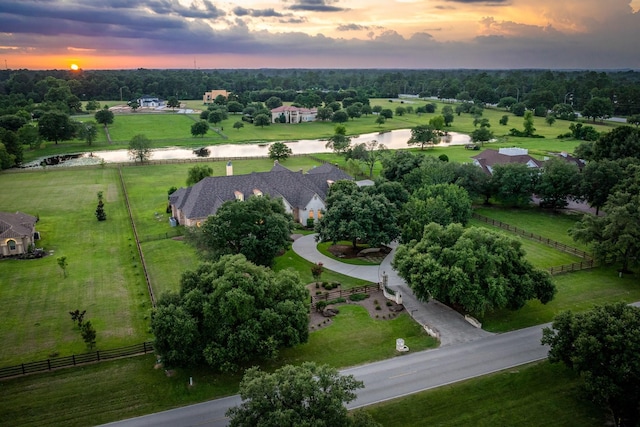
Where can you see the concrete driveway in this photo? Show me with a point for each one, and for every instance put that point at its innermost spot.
(451, 325)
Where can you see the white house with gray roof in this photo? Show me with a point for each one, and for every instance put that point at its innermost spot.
(303, 194)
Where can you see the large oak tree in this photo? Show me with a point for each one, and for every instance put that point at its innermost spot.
(257, 228)
(292, 396)
(356, 215)
(230, 313)
(602, 345)
(474, 269)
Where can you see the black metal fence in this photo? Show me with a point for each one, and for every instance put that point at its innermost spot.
(76, 359)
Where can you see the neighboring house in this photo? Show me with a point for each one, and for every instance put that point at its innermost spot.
(150, 101)
(489, 158)
(573, 160)
(288, 114)
(211, 96)
(303, 194)
(17, 233)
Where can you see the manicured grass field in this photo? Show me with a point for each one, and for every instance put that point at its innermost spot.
(578, 291)
(544, 223)
(125, 388)
(541, 395)
(355, 338)
(104, 272)
(540, 255)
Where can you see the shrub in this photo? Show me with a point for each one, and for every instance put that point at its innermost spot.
(358, 297)
(378, 307)
(389, 303)
(321, 305)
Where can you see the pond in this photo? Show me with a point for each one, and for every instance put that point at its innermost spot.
(395, 139)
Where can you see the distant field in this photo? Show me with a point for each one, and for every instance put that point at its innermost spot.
(172, 129)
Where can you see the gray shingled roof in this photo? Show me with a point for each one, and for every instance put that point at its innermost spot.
(16, 225)
(206, 197)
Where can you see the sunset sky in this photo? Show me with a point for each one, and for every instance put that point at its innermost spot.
(205, 34)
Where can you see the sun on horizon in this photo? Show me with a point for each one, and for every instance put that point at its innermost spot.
(74, 67)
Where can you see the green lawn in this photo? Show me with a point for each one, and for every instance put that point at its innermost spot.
(577, 291)
(539, 254)
(104, 272)
(541, 395)
(115, 390)
(172, 129)
(545, 223)
(355, 338)
(323, 248)
(291, 260)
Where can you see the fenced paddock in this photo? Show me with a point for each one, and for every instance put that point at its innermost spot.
(75, 360)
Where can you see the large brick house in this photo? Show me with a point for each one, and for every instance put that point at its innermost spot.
(17, 233)
(303, 194)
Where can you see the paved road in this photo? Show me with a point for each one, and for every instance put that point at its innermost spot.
(389, 379)
(450, 324)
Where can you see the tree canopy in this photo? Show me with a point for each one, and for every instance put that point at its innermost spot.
(292, 396)
(615, 235)
(424, 135)
(558, 183)
(257, 228)
(279, 151)
(513, 183)
(105, 117)
(356, 215)
(602, 345)
(56, 126)
(197, 173)
(229, 313)
(200, 128)
(441, 203)
(140, 148)
(475, 269)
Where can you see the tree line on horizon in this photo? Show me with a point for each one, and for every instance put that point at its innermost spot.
(535, 88)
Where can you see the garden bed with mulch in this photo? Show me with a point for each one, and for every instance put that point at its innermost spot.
(375, 304)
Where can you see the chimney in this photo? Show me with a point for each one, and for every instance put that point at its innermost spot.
(229, 168)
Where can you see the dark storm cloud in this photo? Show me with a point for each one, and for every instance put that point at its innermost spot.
(316, 6)
(257, 13)
(140, 29)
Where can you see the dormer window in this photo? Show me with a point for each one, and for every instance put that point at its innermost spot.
(257, 192)
(329, 182)
(239, 195)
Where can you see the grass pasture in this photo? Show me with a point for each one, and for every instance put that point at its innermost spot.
(173, 129)
(552, 225)
(538, 395)
(104, 272)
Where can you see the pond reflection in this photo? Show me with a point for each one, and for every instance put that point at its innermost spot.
(395, 139)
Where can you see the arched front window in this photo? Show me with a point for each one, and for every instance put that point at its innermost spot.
(311, 214)
(319, 214)
(12, 245)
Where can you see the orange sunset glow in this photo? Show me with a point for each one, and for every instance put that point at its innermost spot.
(321, 34)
